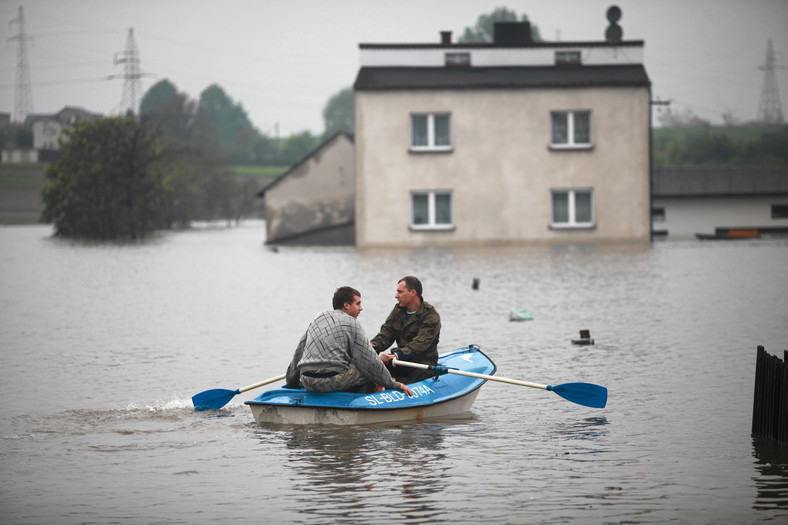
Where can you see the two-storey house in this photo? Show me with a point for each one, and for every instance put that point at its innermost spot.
(505, 142)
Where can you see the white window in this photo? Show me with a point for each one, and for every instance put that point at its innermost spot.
(430, 132)
(570, 129)
(431, 210)
(572, 208)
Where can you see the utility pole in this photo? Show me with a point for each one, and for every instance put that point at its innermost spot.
(769, 108)
(132, 86)
(23, 93)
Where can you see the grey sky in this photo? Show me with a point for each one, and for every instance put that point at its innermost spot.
(283, 59)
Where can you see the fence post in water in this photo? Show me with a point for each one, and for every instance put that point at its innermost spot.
(770, 400)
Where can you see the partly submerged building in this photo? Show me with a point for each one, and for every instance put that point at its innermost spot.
(313, 201)
(720, 202)
(504, 142)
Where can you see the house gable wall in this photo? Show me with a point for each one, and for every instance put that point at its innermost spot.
(315, 195)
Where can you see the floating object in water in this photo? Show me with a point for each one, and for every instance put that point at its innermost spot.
(520, 313)
(585, 338)
(475, 284)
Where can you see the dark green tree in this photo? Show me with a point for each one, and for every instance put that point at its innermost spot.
(483, 31)
(338, 114)
(154, 98)
(108, 184)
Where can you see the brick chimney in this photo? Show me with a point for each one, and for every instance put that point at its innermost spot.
(446, 38)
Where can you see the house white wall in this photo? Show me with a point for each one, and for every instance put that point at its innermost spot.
(501, 169)
(686, 216)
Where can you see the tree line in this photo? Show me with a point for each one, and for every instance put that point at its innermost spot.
(720, 145)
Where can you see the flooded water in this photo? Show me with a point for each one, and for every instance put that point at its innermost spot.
(102, 347)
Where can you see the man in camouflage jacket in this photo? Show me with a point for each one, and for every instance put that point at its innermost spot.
(334, 353)
(415, 326)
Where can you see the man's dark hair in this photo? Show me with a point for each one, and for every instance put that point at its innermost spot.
(344, 294)
(412, 283)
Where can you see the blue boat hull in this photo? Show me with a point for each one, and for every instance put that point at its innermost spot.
(444, 396)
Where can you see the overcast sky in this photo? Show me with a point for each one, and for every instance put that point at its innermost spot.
(283, 59)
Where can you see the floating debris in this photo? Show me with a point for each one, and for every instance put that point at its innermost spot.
(520, 313)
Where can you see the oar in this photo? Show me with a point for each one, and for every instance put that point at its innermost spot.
(585, 394)
(218, 397)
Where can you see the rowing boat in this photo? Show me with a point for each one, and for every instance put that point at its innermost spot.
(445, 395)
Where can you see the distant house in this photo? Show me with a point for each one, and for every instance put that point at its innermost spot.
(312, 203)
(505, 142)
(720, 202)
(49, 130)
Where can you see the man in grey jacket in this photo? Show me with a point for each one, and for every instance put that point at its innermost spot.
(334, 353)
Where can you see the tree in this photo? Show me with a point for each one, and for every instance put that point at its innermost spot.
(484, 29)
(338, 114)
(155, 97)
(107, 185)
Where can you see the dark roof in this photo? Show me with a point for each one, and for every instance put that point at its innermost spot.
(483, 45)
(309, 155)
(719, 181)
(373, 78)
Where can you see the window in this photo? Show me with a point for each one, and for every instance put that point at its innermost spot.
(658, 214)
(431, 210)
(567, 57)
(430, 132)
(570, 129)
(779, 211)
(572, 208)
(458, 59)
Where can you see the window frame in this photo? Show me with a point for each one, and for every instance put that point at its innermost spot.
(457, 59)
(430, 147)
(779, 211)
(572, 223)
(432, 224)
(570, 143)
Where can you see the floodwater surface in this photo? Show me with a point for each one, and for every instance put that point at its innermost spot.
(102, 347)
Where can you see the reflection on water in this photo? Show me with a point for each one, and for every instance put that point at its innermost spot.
(346, 472)
(771, 461)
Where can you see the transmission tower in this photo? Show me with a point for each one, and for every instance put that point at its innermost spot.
(769, 109)
(23, 93)
(132, 86)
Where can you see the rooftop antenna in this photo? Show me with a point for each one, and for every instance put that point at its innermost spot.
(132, 86)
(23, 93)
(769, 108)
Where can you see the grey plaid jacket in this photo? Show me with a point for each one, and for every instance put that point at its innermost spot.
(331, 342)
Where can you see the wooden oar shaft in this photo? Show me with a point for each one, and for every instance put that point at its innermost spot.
(262, 383)
(397, 362)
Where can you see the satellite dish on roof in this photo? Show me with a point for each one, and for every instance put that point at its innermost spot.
(613, 33)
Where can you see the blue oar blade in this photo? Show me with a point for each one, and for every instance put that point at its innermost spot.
(213, 399)
(585, 394)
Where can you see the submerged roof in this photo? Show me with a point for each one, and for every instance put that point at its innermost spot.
(372, 78)
(720, 181)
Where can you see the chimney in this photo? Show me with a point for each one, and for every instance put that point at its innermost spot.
(446, 38)
(512, 33)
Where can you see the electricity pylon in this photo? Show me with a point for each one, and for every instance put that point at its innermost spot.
(132, 86)
(769, 108)
(23, 92)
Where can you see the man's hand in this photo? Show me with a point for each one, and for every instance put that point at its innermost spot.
(405, 388)
(387, 358)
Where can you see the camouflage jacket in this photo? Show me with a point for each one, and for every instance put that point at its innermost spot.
(417, 338)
